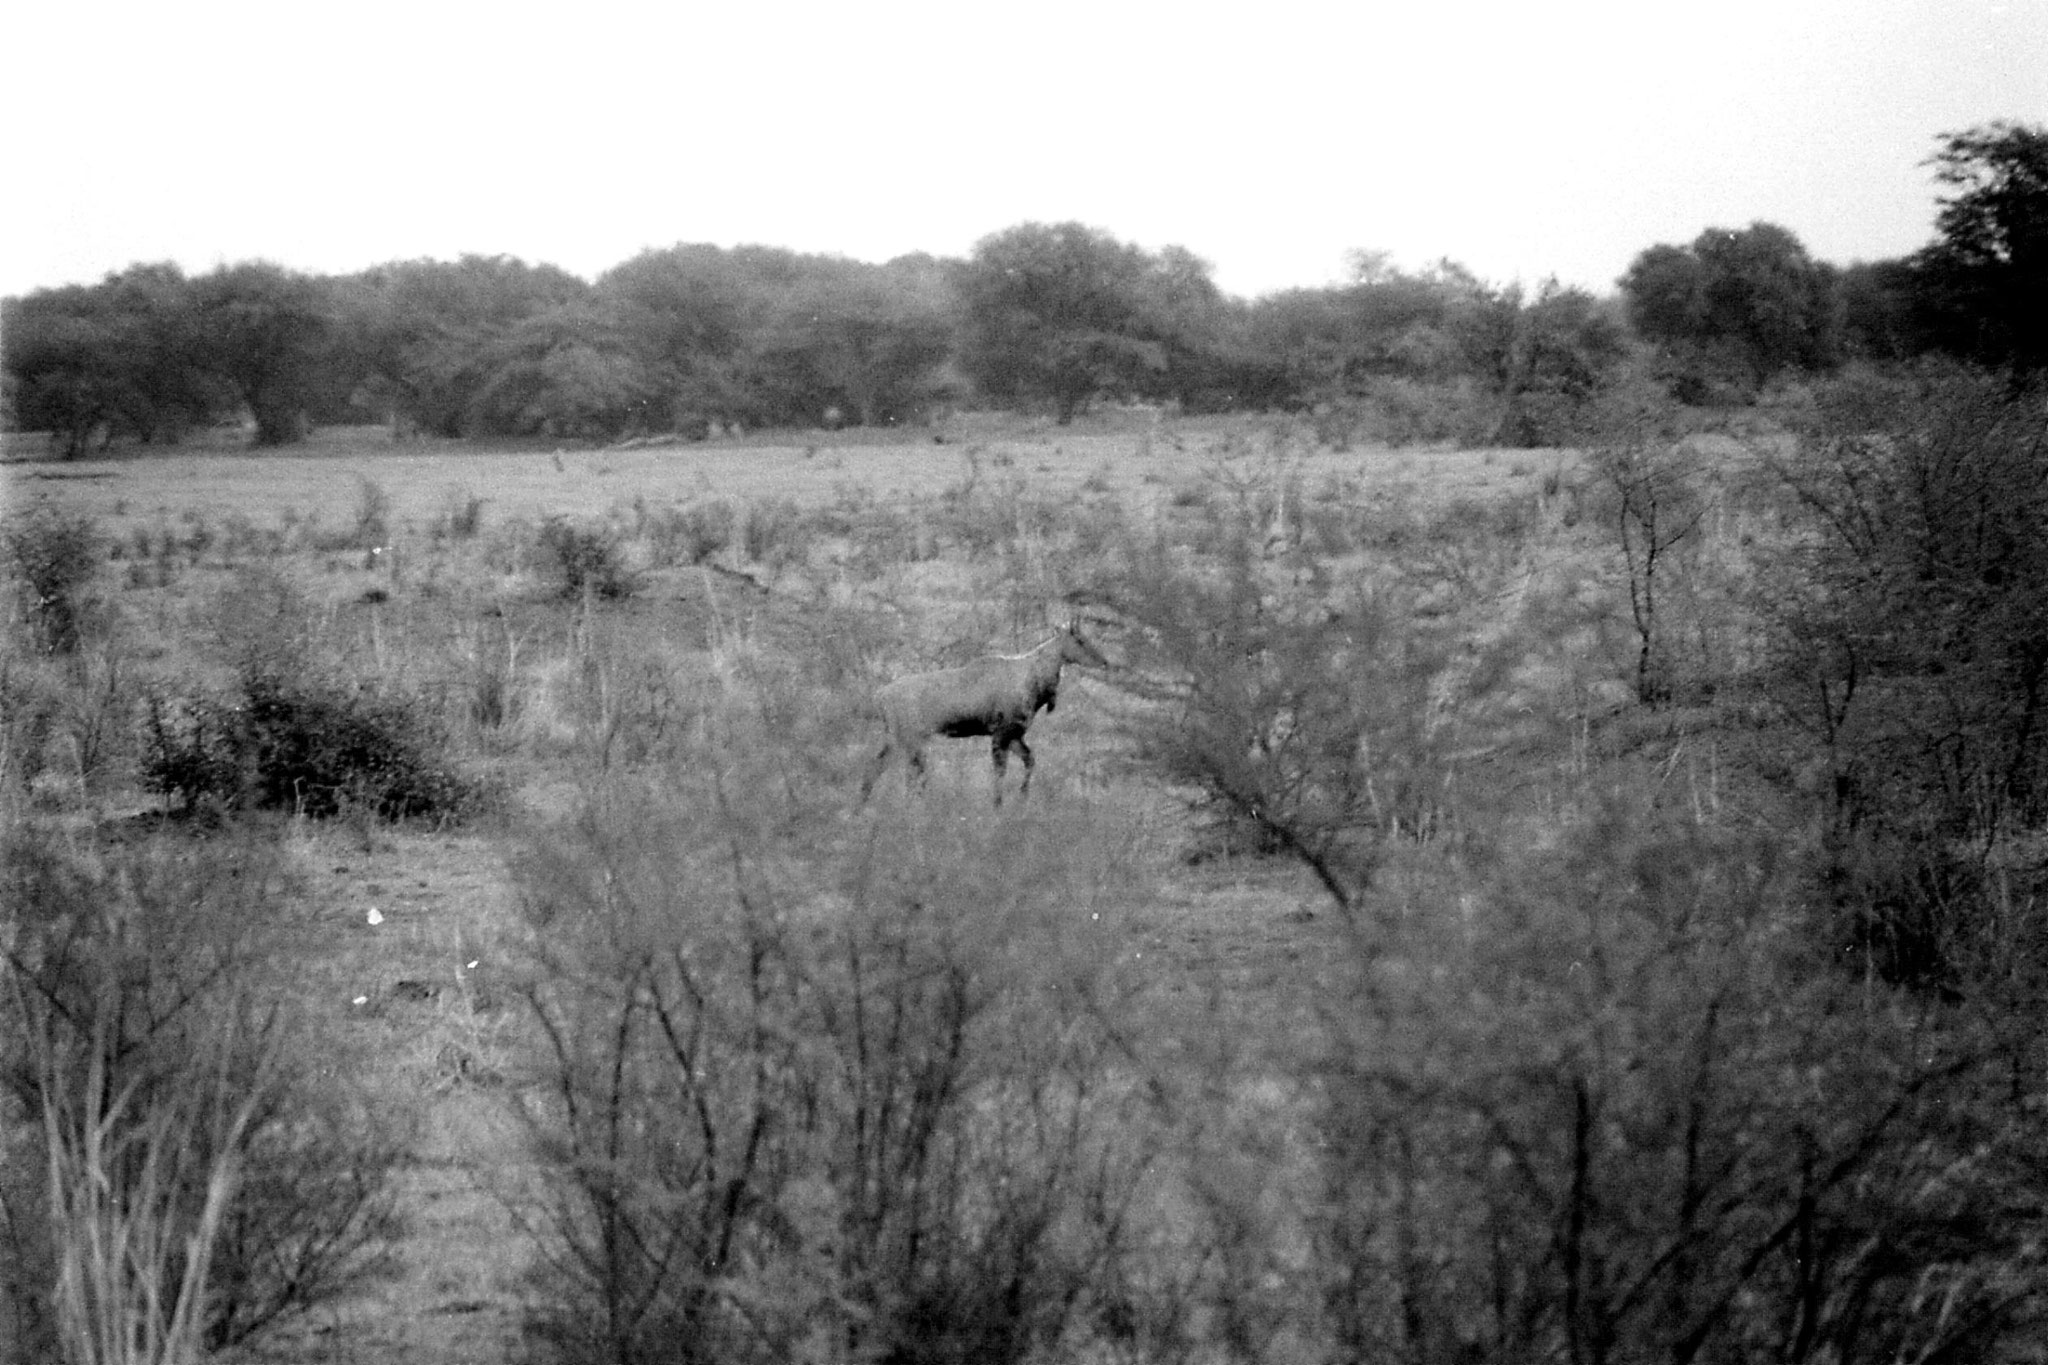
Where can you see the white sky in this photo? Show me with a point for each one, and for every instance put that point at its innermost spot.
(1522, 139)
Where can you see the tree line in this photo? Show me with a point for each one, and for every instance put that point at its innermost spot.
(1733, 310)
(1040, 316)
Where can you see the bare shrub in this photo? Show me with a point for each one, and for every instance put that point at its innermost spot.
(153, 558)
(52, 555)
(141, 1031)
(100, 712)
(1656, 502)
(1908, 650)
(132, 1259)
(814, 1098)
(32, 703)
(692, 534)
(488, 662)
(1309, 715)
(1612, 1109)
(773, 532)
(461, 516)
(371, 515)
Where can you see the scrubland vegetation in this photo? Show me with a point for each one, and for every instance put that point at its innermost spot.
(1575, 905)
(1578, 899)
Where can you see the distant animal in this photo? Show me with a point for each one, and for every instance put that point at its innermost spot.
(997, 695)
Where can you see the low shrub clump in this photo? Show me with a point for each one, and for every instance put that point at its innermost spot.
(692, 534)
(294, 734)
(585, 560)
(302, 746)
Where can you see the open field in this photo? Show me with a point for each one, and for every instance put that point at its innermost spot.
(652, 662)
(1130, 458)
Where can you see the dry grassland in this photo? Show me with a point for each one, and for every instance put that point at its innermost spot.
(410, 1006)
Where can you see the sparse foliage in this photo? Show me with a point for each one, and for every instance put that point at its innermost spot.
(204, 1183)
(823, 1100)
(52, 555)
(1656, 501)
(1304, 708)
(1612, 1111)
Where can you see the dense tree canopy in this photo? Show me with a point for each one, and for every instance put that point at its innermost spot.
(269, 332)
(769, 337)
(1984, 281)
(120, 358)
(1062, 312)
(1735, 307)
(422, 334)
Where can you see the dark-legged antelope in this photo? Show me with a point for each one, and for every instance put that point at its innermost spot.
(997, 695)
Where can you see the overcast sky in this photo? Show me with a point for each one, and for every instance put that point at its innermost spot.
(1521, 139)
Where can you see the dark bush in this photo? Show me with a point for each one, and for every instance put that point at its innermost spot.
(292, 735)
(585, 560)
(189, 753)
(1910, 647)
(310, 748)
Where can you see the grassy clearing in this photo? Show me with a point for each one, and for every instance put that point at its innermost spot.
(323, 478)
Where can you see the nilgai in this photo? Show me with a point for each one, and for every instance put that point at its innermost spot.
(997, 695)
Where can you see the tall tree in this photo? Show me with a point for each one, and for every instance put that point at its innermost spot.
(117, 358)
(158, 348)
(267, 331)
(864, 340)
(565, 373)
(1984, 283)
(1562, 349)
(1436, 324)
(62, 362)
(1060, 312)
(424, 334)
(1881, 313)
(688, 313)
(1740, 306)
